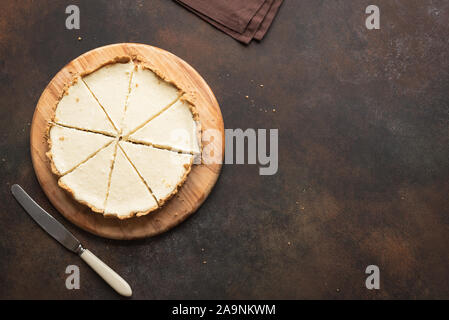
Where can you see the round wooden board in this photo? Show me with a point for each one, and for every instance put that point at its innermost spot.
(200, 181)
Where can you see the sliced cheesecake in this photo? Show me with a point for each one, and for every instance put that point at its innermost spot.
(88, 183)
(69, 147)
(128, 195)
(149, 95)
(163, 171)
(79, 109)
(123, 139)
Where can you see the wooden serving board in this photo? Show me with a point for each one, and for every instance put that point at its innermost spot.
(200, 181)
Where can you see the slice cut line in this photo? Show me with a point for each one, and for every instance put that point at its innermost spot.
(128, 195)
(175, 129)
(71, 147)
(149, 95)
(110, 86)
(79, 109)
(88, 183)
(52, 123)
(141, 178)
(163, 171)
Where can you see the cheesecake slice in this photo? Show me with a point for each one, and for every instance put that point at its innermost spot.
(79, 109)
(110, 86)
(176, 128)
(149, 95)
(128, 195)
(69, 147)
(163, 171)
(88, 183)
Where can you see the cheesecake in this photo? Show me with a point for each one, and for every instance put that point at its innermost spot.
(123, 138)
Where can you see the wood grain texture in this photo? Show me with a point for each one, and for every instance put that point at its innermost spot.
(199, 183)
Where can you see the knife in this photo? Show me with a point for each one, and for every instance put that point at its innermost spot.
(64, 237)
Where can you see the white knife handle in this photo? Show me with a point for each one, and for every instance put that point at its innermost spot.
(108, 275)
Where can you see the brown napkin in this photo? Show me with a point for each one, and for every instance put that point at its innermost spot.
(242, 20)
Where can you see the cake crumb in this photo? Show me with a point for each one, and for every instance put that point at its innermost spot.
(247, 97)
(274, 110)
(79, 38)
(61, 138)
(202, 249)
(289, 243)
(204, 262)
(77, 99)
(261, 85)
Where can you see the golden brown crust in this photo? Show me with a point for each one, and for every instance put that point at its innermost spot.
(131, 214)
(65, 91)
(199, 130)
(179, 185)
(49, 154)
(139, 60)
(120, 59)
(50, 124)
(188, 99)
(72, 193)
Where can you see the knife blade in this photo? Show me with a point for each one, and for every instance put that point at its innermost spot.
(55, 229)
(52, 226)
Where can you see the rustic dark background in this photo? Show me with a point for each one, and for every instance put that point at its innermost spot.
(364, 153)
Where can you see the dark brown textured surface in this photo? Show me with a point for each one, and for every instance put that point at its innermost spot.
(364, 153)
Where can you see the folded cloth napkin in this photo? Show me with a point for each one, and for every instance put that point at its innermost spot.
(242, 20)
